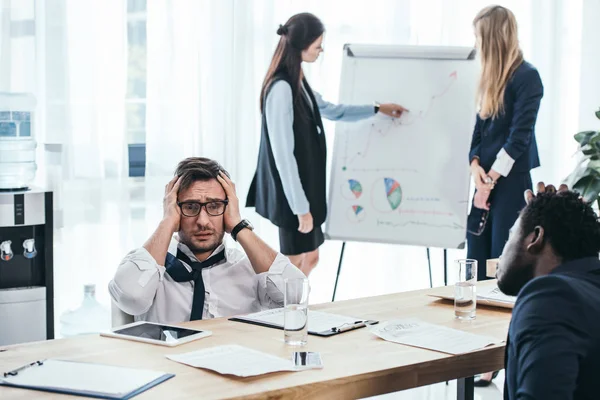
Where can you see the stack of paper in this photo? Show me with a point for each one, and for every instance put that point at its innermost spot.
(494, 294)
(414, 332)
(235, 360)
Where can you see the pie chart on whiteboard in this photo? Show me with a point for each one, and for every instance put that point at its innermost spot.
(386, 195)
(356, 214)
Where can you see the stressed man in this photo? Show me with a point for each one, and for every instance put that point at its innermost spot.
(193, 274)
(551, 262)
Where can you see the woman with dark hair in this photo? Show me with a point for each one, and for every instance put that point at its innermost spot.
(289, 185)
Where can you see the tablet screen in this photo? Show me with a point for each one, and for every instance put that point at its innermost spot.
(164, 333)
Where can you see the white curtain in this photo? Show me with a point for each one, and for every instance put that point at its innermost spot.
(82, 65)
(96, 70)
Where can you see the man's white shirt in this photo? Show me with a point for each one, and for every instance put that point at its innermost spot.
(142, 287)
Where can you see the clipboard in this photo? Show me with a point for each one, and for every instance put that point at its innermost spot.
(274, 319)
(83, 379)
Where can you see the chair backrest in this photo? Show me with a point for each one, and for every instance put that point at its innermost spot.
(119, 317)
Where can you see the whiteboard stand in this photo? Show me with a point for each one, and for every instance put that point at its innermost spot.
(377, 163)
(429, 263)
(337, 277)
(445, 267)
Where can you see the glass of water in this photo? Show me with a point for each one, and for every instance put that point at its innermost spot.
(295, 315)
(465, 293)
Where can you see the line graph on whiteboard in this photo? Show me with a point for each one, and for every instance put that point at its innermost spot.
(382, 127)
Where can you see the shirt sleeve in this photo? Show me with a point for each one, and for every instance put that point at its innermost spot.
(271, 285)
(549, 337)
(342, 112)
(136, 281)
(279, 111)
(503, 163)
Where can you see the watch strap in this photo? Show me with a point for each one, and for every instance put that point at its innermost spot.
(236, 230)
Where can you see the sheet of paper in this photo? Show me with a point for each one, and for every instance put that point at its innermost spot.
(317, 321)
(493, 293)
(417, 333)
(234, 360)
(83, 377)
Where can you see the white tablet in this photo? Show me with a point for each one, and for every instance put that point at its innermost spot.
(152, 332)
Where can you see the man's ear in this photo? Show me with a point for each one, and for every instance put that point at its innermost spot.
(536, 240)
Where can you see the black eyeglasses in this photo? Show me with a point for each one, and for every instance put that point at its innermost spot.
(193, 208)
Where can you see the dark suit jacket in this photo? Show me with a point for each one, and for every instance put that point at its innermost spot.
(553, 347)
(513, 130)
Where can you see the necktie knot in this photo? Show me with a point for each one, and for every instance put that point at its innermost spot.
(180, 273)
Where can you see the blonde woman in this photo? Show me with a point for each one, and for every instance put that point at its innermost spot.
(503, 148)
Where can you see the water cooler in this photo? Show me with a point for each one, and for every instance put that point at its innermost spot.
(26, 270)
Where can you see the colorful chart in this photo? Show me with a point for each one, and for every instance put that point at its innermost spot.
(355, 187)
(356, 214)
(351, 189)
(393, 192)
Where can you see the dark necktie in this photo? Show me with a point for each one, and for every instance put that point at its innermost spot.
(180, 273)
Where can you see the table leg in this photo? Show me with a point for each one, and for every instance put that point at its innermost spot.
(465, 388)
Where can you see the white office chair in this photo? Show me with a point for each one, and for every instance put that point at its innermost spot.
(119, 317)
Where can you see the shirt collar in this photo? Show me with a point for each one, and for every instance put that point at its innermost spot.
(176, 244)
(581, 265)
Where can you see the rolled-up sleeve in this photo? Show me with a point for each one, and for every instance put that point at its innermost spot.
(343, 112)
(271, 285)
(136, 281)
(503, 163)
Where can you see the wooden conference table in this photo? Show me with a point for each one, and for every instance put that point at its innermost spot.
(356, 363)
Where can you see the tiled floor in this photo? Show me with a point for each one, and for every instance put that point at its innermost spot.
(103, 220)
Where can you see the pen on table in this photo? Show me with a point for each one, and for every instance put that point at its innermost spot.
(347, 327)
(16, 371)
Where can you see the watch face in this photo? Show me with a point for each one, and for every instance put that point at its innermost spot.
(249, 225)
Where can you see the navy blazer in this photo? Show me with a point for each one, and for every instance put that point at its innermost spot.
(514, 129)
(553, 347)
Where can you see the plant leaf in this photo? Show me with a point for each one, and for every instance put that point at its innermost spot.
(589, 151)
(598, 114)
(589, 186)
(585, 137)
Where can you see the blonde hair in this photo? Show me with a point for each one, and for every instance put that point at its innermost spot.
(496, 30)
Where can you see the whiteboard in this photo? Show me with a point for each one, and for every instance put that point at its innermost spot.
(404, 180)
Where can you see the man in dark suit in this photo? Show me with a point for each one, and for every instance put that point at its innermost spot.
(551, 262)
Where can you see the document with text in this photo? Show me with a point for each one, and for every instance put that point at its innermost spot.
(235, 360)
(417, 333)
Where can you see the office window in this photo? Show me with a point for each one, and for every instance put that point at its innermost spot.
(136, 72)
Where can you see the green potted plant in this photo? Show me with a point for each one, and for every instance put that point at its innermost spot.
(586, 177)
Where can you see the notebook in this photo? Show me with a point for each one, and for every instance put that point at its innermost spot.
(83, 379)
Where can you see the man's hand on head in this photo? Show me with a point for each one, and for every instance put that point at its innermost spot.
(171, 211)
(232, 215)
(543, 188)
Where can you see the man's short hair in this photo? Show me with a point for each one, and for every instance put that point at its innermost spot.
(570, 225)
(195, 169)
